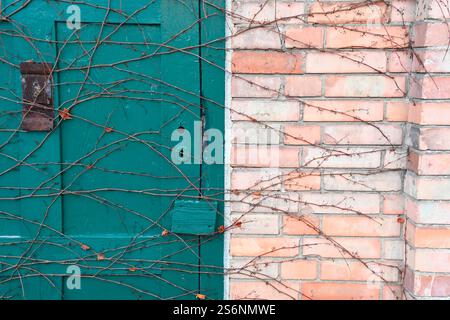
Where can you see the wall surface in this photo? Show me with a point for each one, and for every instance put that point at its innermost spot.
(340, 160)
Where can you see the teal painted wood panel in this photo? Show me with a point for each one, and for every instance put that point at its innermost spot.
(98, 190)
(213, 91)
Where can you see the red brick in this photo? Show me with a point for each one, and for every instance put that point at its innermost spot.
(428, 212)
(302, 181)
(432, 139)
(303, 86)
(395, 158)
(267, 201)
(365, 134)
(265, 110)
(360, 226)
(432, 61)
(246, 268)
(299, 269)
(266, 62)
(427, 188)
(255, 133)
(403, 11)
(430, 164)
(430, 260)
(364, 86)
(413, 161)
(301, 134)
(393, 204)
(290, 12)
(435, 87)
(316, 157)
(257, 38)
(430, 113)
(342, 110)
(268, 247)
(347, 12)
(269, 179)
(362, 247)
(255, 86)
(354, 202)
(258, 12)
(392, 292)
(428, 237)
(304, 37)
(431, 34)
(400, 61)
(346, 62)
(256, 223)
(265, 157)
(438, 9)
(427, 285)
(388, 181)
(253, 12)
(266, 290)
(367, 37)
(397, 111)
(301, 225)
(356, 271)
(339, 291)
(394, 249)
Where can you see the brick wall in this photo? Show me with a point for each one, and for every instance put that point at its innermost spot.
(427, 181)
(340, 161)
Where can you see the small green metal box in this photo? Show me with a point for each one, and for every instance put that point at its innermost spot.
(196, 217)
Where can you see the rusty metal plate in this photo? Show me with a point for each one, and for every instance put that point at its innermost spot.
(37, 96)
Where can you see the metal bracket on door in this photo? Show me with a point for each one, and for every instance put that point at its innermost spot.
(37, 96)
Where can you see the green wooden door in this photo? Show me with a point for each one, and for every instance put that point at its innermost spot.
(96, 193)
